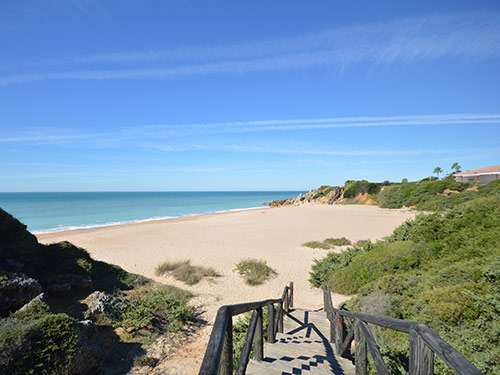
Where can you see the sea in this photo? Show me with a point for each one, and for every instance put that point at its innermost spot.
(55, 212)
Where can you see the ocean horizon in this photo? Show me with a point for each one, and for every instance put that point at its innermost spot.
(46, 212)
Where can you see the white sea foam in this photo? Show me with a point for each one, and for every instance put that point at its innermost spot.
(71, 228)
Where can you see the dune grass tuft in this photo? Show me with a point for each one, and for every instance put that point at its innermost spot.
(184, 271)
(254, 271)
(337, 241)
(328, 243)
(316, 245)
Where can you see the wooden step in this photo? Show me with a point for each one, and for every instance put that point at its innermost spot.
(261, 368)
(303, 348)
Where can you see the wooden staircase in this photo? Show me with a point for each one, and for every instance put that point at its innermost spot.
(302, 349)
(301, 342)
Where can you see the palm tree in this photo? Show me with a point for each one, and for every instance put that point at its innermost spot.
(456, 167)
(437, 171)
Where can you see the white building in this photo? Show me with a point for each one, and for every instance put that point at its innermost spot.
(486, 174)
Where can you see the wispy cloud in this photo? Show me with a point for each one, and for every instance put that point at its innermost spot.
(177, 130)
(466, 35)
(148, 135)
(298, 151)
(44, 135)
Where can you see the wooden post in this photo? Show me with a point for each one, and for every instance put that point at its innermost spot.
(226, 361)
(290, 302)
(325, 303)
(270, 324)
(339, 332)
(360, 354)
(258, 343)
(280, 317)
(285, 302)
(421, 356)
(333, 323)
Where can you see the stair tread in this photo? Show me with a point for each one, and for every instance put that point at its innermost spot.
(303, 348)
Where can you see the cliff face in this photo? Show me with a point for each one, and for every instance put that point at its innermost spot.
(323, 195)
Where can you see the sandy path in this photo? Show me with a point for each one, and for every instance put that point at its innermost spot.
(222, 240)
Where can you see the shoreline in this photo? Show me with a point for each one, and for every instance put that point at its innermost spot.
(91, 228)
(83, 228)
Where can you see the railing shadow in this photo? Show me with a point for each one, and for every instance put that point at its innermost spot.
(310, 362)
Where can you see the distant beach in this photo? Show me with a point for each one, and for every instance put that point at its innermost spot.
(59, 212)
(222, 240)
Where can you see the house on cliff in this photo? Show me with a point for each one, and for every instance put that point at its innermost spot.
(485, 174)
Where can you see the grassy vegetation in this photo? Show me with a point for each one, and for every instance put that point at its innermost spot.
(441, 269)
(37, 341)
(185, 271)
(328, 243)
(317, 245)
(254, 271)
(322, 269)
(160, 308)
(337, 241)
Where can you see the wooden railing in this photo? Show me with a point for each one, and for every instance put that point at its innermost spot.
(424, 342)
(219, 354)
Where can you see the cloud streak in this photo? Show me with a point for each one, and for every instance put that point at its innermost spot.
(465, 35)
(167, 131)
(146, 135)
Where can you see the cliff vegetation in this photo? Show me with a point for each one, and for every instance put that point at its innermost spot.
(442, 269)
(63, 312)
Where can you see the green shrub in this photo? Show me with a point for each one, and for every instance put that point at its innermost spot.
(185, 272)
(35, 341)
(353, 188)
(162, 308)
(441, 269)
(254, 271)
(323, 268)
(363, 243)
(429, 195)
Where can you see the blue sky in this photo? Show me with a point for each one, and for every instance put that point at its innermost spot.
(261, 95)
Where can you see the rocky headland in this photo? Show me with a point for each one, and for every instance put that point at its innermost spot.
(323, 195)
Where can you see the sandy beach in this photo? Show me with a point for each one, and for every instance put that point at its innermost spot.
(222, 240)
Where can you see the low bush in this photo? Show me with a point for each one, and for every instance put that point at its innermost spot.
(353, 188)
(441, 269)
(323, 268)
(160, 308)
(436, 195)
(254, 271)
(184, 271)
(362, 243)
(34, 341)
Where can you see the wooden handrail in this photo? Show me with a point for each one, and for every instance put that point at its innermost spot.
(218, 357)
(424, 342)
